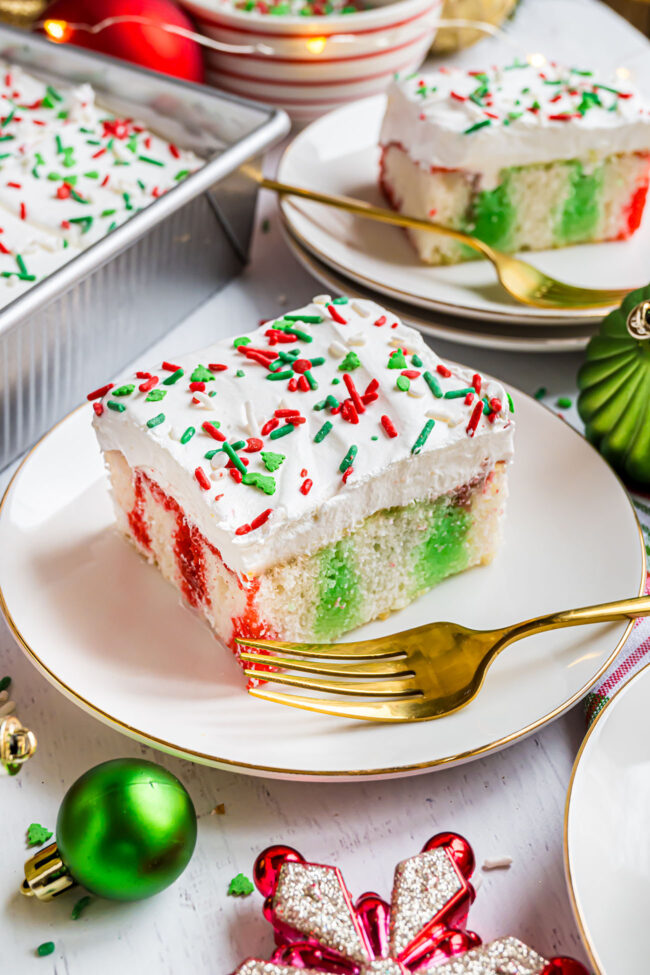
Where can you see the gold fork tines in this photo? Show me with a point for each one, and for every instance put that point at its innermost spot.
(419, 674)
(524, 282)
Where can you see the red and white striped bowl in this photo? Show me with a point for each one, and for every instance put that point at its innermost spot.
(309, 65)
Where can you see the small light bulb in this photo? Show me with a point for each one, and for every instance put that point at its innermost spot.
(315, 45)
(536, 60)
(57, 30)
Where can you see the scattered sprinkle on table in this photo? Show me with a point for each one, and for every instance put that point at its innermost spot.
(37, 834)
(5, 683)
(240, 886)
(564, 402)
(80, 907)
(47, 948)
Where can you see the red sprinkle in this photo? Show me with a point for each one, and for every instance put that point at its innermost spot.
(301, 365)
(388, 426)
(443, 371)
(371, 387)
(283, 413)
(236, 474)
(257, 522)
(243, 530)
(142, 375)
(65, 224)
(174, 151)
(469, 399)
(347, 474)
(100, 152)
(197, 387)
(170, 367)
(63, 191)
(303, 384)
(459, 98)
(369, 398)
(15, 186)
(305, 487)
(352, 390)
(304, 472)
(3, 249)
(380, 321)
(253, 444)
(148, 384)
(98, 393)
(335, 315)
(348, 411)
(495, 404)
(23, 211)
(410, 373)
(202, 478)
(244, 461)
(217, 366)
(476, 383)
(292, 385)
(271, 425)
(98, 408)
(213, 431)
(295, 421)
(474, 419)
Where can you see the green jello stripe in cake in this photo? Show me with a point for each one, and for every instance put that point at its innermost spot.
(443, 550)
(494, 215)
(339, 596)
(580, 216)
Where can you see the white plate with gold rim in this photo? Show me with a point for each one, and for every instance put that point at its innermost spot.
(106, 629)
(606, 847)
(339, 154)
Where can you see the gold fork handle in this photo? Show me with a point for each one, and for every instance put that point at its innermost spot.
(364, 209)
(603, 613)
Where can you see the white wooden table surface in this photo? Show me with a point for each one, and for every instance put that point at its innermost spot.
(510, 803)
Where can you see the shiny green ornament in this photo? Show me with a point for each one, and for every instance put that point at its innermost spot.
(125, 830)
(614, 383)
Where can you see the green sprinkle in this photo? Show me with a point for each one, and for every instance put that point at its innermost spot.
(112, 227)
(348, 459)
(282, 431)
(397, 360)
(108, 213)
(240, 374)
(80, 907)
(510, 403)
(486, 406)
(416, 361)
(155, 420)
(53, 93)
(201, 375)
(93, 174)
(319, 360)
(152, 162)
(322, 433)
(310, 379)
(175, 376)
(242, 340)
(332, 401)
(403, 383)
(299, 334)
(132, 143)
(308, 319)
(93, 142)
(271, 460)
(5, 683)
(374, 437)
(284, 374)
(238, 445)
(564, 402)
(234, 457)
(210, 454)
(261, 481)
(335, 381)
(541, 392)
(433, 384)
(181, 174)
(37, 834)
(21, 264)
(341, 300)
(47, 948)
(124, 390)
(86, 223)
(118, 407)
(607, 88)
(59, 144)
(457, 393)
(187, 436)
(127, 201)
(321, 405)
(477, 126)
(6, 138)
(240, 886)
(351, 361)
(155, 395)
(423, 437)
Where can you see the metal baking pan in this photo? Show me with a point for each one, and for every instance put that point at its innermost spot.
(80, 325)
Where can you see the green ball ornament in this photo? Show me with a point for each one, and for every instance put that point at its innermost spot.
(614, 384)
(126, 830)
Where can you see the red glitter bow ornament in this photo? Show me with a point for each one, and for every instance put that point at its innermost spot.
(318, 928)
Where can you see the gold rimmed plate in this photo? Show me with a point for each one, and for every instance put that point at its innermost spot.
(111, 634)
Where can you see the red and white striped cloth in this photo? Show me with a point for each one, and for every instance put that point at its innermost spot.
(635, 652)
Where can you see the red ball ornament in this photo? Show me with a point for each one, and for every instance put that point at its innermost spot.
(148, 45)
(458, 848)
(266, 871)
(565, 966)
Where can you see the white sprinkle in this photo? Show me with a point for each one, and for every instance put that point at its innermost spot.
(218, 460)
(415, 391)
(497, 863)
(399, 342)
(251, 422)
(439, 413)
(359, 309)
(477, 881)
(357, 339)
(176, 432)
(282, 404)
(7, 708)
(205, 400)
(4, 695)
(337, 350)
(322, 300)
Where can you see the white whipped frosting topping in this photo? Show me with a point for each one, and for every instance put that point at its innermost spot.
(386, 471)
(70, 172)
(515, 115)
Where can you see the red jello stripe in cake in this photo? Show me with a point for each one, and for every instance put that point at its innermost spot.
(634, 209)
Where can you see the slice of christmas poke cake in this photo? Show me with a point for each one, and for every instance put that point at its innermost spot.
(523, 157)
(312, 475)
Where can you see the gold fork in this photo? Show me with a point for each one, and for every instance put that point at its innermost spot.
(420, 674)
(520, 279)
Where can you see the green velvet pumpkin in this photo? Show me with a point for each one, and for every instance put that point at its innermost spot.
(614, 383)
